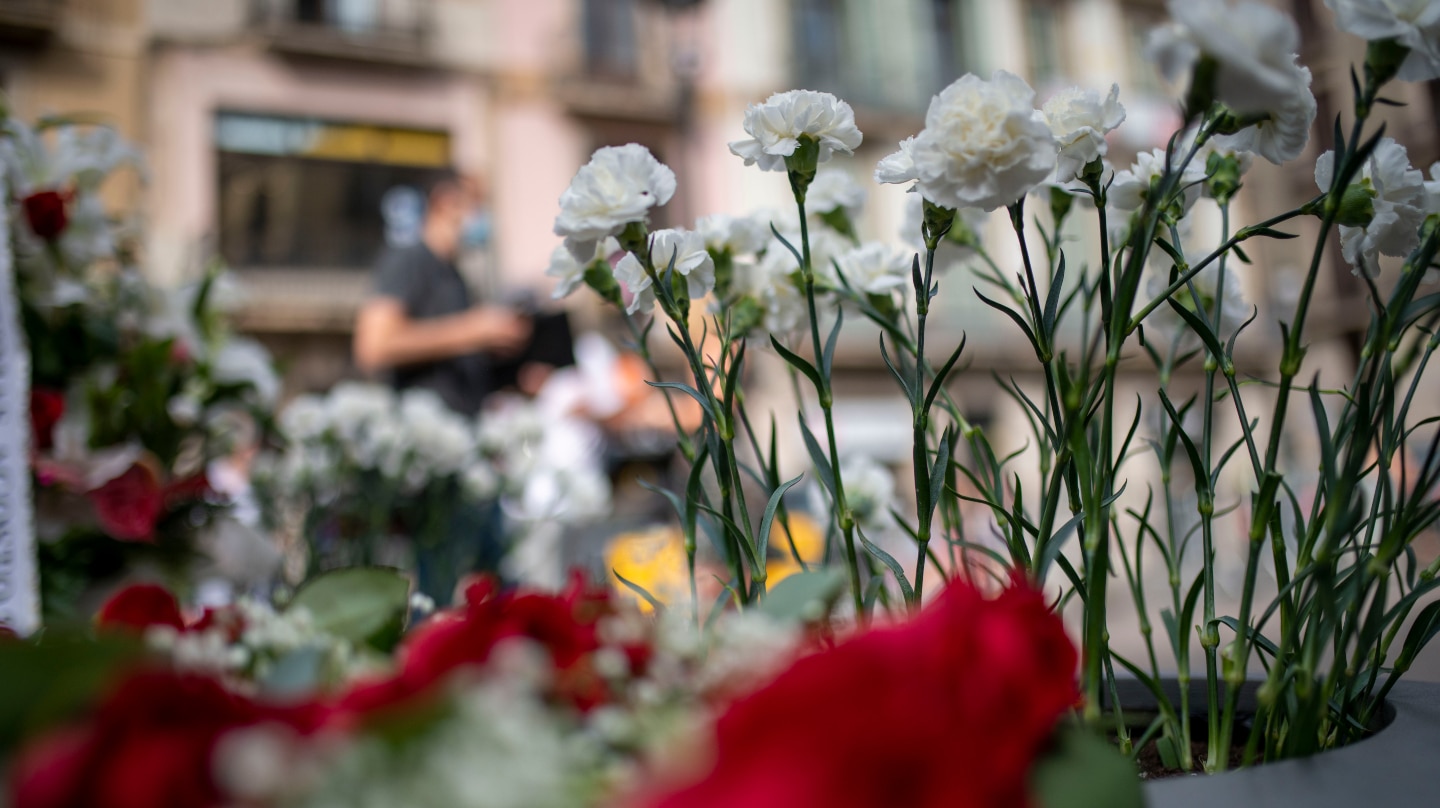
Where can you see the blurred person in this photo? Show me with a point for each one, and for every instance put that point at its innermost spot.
(420, 325)
(422, 328)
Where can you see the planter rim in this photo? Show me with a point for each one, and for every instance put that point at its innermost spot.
(1395, 767)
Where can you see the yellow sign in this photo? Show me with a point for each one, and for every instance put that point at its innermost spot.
(328, 140)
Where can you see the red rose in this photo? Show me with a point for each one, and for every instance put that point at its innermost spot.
(948, 710)
(130, 505)
(45, 211)
(46, 408)
(138, 607)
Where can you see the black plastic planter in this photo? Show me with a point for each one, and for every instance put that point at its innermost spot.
(1397, 767)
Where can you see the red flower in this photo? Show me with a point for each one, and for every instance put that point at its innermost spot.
(149, 745)
(138, 607)
(130, 505)
(565, 625)
(947, 710)
(45, 210)
(46, 408)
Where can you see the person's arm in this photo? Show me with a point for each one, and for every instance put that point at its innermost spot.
(386, 337)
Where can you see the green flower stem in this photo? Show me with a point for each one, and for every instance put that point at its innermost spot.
(844, 518)
(920, 428)
(1195, 269)
(642, 346)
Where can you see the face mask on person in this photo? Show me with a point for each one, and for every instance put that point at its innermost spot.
(475, 232)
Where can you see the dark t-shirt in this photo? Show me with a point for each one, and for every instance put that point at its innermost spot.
(430, 287)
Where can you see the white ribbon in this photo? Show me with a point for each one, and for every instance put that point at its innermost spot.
(18, 593)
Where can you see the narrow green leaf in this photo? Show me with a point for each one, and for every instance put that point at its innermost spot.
(687, 390)
(641, 591)
(799, 363)
(889, 561)
(938, 383)
(827, 359)
(762, 540)
(817, 457)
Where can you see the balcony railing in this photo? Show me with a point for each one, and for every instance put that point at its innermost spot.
(385, 31)
(28, 21)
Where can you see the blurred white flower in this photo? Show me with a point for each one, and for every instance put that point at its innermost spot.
(1253, 47)
(874, 268)
(1398, 197)
(1079, 118)
(834, 189)
(242, 360)
(1281, 137)
(741, 235)
(569, 271)
(305, 418)
(631, 274)
(480, 482)
(984, 145)
(686, 249)
(1133, 185)
(869, 491)
(770, 283)
(618, 186)
(1234, 308)
(1414, 23)
(776, 126)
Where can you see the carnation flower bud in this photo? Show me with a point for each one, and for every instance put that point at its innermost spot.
(1356, 206)
(1224, 172)
(599, 277)
(1383, 59)
(1061, 201)
(801, 165)
(937, 223)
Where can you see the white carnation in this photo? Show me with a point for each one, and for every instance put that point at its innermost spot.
(874, 268)
(1398, 195)
(1079, 119)
(618, 186)
(1133, 185)
(1281, 137)
(741, 235)
(631, 274)
(1252, 44)
(686, 249)
(569, 271)
(834, 189)
(1414, 23)
(776, 126)
(898, 168)
(984, 144)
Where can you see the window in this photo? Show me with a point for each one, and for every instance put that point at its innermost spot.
(1044, 42)
(298, 193)
(352, 16)
(954, 47)
(885, 56)
(1144, 76)
(610, 38)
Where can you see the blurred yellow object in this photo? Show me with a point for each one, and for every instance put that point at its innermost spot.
(809, 543)
(654, 559)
